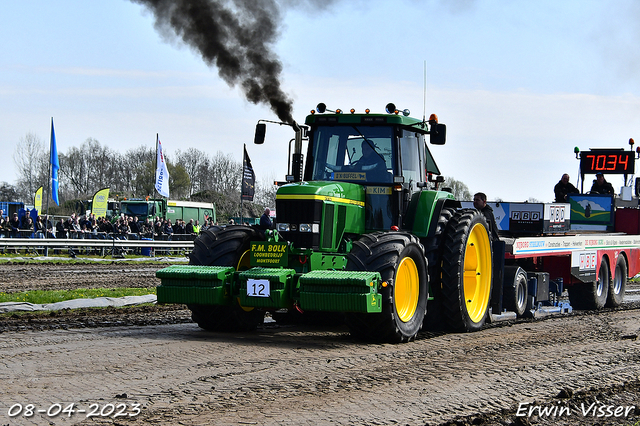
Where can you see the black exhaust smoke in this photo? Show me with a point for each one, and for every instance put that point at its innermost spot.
(235, 36)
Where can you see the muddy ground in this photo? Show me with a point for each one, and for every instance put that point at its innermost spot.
(292, 374)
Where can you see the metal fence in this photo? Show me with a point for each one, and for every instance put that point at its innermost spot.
(107, 246)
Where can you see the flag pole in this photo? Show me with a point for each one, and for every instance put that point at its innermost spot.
(155, 191)
(46, 221)
(49, 172)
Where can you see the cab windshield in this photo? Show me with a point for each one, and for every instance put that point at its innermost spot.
(138, 209)
(360, 154)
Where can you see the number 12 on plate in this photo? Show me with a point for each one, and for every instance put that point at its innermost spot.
(258, 288)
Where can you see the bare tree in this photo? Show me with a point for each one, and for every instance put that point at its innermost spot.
(140, 170)
(266, 192)
(196, 164)
(102, 163)
(459, 189)
(90, 166)
(31, 160)
(87, 168)
(226, 174)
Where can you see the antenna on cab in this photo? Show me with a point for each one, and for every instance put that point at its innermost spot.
(424, 100)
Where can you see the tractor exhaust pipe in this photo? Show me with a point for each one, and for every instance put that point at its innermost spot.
(297, 159)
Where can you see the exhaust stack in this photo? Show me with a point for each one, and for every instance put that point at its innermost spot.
(297, 159)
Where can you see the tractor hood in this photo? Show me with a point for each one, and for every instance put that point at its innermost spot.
(317, 215)
(336, 192)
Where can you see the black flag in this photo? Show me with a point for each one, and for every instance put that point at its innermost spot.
(248, 177)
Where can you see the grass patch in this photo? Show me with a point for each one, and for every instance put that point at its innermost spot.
(53, 296)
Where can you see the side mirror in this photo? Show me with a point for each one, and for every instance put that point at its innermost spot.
(261, 130)
(438, 135)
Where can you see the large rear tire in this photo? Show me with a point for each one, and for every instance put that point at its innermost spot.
(467, 271)
(399, 258)
(515, 290)
(225, 247)
(618, 285)
(433, 320)
(592, 295)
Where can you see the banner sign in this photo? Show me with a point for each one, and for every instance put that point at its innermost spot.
(99, 203)
(37, 200)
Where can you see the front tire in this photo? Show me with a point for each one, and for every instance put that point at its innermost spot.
(225, 247)
(399, 258)
(467, 271)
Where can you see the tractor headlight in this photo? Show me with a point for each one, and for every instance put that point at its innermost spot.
(283, 227)
(305, 227)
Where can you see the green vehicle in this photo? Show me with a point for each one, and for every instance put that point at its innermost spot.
(168, 209)
(362, 230)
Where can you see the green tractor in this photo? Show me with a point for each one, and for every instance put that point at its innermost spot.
(362, 230)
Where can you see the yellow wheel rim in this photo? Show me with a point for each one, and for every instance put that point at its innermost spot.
(406, 289)
(243, 264)
(477, 273)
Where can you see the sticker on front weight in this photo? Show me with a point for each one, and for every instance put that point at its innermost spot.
(258, 288)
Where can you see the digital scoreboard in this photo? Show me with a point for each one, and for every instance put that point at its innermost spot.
(611, 161)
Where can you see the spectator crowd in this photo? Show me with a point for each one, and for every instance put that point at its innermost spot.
(88, 226)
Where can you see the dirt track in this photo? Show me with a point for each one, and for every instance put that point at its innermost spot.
(295, 375)
(25, 276)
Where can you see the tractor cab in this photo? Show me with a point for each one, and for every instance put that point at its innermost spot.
(386, 154)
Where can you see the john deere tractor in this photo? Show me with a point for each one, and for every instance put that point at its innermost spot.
(361, 230)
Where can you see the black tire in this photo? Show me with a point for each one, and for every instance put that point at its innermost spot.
(467, 271)
(592, 295)
(618, 285)
(399, 258)
(225, 247)
(433, 320)
(515, 290)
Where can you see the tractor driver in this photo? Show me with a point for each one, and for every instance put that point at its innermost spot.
(372, 163)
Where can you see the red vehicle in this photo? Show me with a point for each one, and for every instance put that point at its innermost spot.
(589, 246)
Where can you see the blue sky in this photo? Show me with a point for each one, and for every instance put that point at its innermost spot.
(518, 83)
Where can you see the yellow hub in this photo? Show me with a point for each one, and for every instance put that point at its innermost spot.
(407, 289)
(243, 264)
(477, 273)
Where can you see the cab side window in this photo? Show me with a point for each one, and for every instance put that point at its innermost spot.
(413, 166)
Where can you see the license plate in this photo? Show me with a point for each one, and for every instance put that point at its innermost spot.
(258, 288)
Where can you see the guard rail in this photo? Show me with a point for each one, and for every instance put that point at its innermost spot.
(103, 247)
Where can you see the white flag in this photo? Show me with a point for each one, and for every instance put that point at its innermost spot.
(162, 174)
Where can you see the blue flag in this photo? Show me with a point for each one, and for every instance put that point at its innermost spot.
(55, 165)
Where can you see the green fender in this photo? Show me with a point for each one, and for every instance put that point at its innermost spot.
(424, 211)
